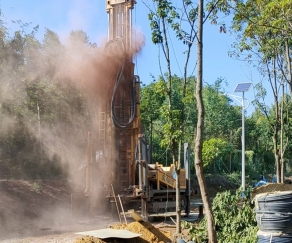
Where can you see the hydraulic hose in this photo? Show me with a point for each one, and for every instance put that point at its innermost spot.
(116, 46)
(116, 122)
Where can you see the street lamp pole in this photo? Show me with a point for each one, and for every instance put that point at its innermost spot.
(243, 146)
(243, 87)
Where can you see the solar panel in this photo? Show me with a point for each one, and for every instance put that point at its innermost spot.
(242, 87)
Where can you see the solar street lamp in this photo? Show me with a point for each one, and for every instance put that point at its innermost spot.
(243, 87)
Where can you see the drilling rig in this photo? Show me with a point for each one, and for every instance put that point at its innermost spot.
(121, 150)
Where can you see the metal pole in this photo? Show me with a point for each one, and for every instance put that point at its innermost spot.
(242, 87)
(243, 146)
(188, 177)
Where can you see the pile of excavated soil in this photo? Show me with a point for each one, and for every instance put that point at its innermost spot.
(271, 187)
(148, 234)
(215, 184)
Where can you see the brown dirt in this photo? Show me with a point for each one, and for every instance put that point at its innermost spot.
(148, 234)
(215, 184)
(22, 202)
(37, 208)
(40, 211)
(271, 187)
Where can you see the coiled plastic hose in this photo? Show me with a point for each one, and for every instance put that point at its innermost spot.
(274, 221)
(272, 238)
(275, 202)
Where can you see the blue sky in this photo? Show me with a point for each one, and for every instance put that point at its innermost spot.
(62, 16)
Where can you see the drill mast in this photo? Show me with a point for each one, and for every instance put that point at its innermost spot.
(120, 24)
(124, 108)
(117, 152)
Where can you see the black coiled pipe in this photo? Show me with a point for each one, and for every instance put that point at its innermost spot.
(274, 221)
(275, 202)
(270, 238)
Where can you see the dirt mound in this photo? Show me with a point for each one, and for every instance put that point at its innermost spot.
(271, 187)
(215, 184)
(148, 234)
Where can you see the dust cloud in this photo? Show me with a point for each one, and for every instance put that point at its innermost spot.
(87, 73)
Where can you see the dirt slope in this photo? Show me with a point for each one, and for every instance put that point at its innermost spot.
(29, 205)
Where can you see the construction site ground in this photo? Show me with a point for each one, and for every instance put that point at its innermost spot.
(40, 211)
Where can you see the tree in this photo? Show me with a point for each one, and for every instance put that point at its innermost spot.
(222, 118)
(260, 140)
(216, 149)
(151, 102)
(200, 129)
(37, 112)
(165, 16)
(263, 27)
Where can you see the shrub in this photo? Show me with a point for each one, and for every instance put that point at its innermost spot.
(234, 218)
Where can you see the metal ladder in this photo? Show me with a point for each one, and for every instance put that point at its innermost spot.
(100, 154)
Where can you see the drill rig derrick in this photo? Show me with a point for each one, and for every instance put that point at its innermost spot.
(120, 26)
(129, 166)
(117, 152)
(149, 188)
(124, 103)
(119, 45)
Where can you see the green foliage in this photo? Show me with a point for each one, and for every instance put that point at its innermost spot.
(222, 144)
(165, 13)
(155, 115)
(234, 218)
(36, 112)
(216, 149)
(29, 94)
(258, 17)
(234, 177)
(36, 187)
(221, 117)
(258, 139)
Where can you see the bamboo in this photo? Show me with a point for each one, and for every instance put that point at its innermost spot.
(116, 203)
(122, 209)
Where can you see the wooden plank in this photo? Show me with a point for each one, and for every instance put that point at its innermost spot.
(183, 184)
(135, 215)
(165, 179)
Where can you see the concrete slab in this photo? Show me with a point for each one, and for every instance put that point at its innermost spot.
(110, 233)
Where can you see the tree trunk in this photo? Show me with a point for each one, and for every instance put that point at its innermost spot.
(282, 135)
(178, 203)
(277, 157)
(276, 126)
(212, 237)
(288, 60)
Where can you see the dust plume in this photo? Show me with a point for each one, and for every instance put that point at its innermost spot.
(52, 94)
